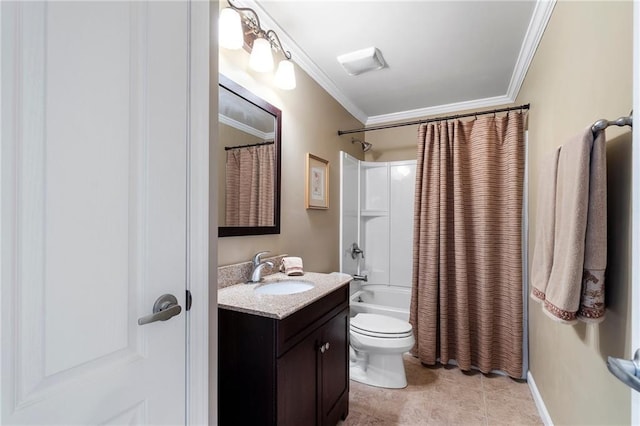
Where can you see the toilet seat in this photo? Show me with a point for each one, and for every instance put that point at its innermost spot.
(380, 326)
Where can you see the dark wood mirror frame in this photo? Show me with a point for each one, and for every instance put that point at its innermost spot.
(233, 231)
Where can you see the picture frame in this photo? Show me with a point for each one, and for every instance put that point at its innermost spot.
(317, 183)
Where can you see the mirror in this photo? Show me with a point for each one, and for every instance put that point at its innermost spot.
(249, 162)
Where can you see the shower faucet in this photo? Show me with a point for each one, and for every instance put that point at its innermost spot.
(355, 251)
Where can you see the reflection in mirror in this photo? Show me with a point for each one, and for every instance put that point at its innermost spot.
(249, 167)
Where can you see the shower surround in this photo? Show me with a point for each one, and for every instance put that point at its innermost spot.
(377, 200)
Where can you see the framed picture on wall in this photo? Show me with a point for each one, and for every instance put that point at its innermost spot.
(317, 183)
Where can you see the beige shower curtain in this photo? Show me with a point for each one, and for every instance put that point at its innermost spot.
(467, 296)
(250, 186)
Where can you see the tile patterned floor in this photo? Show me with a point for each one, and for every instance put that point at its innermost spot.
(443, 396)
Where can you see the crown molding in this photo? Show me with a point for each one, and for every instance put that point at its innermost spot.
(541, 15)
(438, 109)
(537, 25)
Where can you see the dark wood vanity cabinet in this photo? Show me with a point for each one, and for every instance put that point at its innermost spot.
(293, 371)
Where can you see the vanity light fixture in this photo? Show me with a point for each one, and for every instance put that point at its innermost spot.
(261, 59)
(230, 23)
(285, 76)
(242, 23)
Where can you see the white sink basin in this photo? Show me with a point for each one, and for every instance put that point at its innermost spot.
(284, 287)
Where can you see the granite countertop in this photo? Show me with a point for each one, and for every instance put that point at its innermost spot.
(241, 297)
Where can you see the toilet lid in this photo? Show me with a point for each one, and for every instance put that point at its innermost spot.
(380, 326)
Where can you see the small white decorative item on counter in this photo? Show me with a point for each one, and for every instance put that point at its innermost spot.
(292, 266)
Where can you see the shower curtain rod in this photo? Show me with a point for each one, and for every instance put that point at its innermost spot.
(228, 148)
(429, 120)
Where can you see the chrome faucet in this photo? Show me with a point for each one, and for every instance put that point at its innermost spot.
(256, 258)
(258, 265)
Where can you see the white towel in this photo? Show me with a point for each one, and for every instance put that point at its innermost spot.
(292, 266)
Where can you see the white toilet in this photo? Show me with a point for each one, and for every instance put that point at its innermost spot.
(377, 345)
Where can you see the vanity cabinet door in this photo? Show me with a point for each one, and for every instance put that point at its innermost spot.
(313, 376)
(298, 383)
(334, 369)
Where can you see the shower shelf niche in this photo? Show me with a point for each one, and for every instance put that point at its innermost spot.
(374, 213)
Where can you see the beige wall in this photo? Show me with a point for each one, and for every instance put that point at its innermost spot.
(582, 71)
(399, 143)
(310, 122)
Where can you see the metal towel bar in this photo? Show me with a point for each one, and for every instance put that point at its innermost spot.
(603, 124)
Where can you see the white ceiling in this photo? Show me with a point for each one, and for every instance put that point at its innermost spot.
(441, 56)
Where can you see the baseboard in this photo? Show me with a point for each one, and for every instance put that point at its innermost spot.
(542, 409)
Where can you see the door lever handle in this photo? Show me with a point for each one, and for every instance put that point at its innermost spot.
(165, 307)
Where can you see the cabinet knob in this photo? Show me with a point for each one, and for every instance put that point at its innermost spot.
(324, 347)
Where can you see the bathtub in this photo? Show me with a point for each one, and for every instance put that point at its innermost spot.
(380, 299)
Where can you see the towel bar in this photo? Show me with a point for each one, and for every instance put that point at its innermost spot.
(603, 124)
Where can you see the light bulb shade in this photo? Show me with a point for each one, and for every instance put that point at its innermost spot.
(285, 75)
(261, 59)
(230, 31)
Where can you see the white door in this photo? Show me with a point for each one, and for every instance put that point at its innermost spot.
(93, 219)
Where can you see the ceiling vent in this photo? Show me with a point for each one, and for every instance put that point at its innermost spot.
(361, 61)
